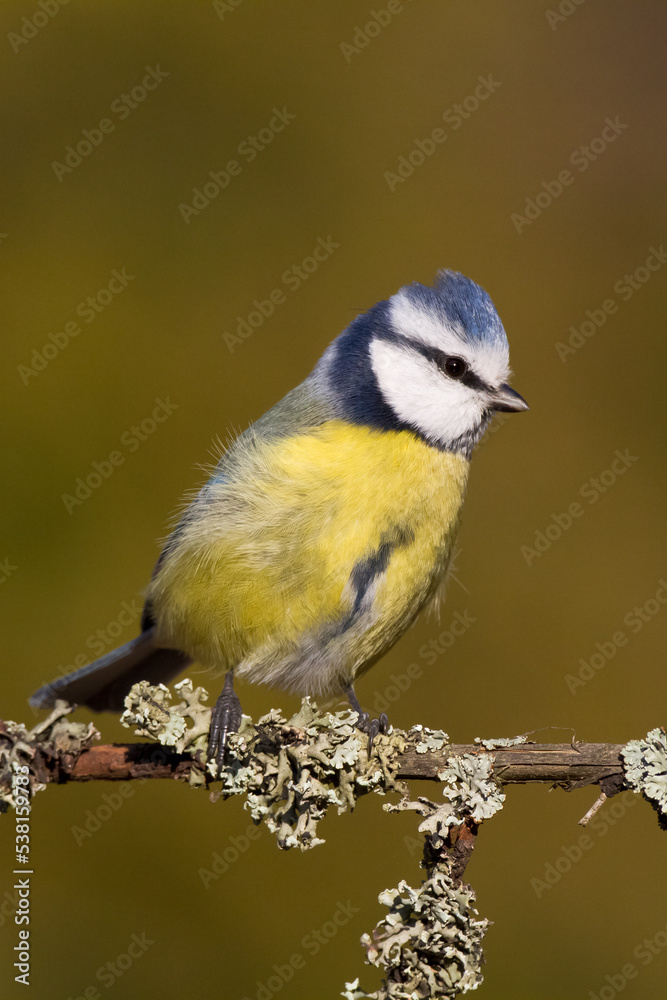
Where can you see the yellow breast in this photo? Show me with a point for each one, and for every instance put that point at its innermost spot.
(319, 548)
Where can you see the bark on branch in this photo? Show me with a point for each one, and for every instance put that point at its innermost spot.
(571, 766)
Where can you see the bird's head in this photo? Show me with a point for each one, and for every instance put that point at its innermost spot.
(434, 360)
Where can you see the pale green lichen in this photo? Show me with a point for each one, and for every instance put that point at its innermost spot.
(152, 716)
(645, 770)
(504, 741)
(429, 943)
(149, 710)
(55, 736)
(428, 739)
(471, 788)
(472, 793)
(438, 823)
(290, 771)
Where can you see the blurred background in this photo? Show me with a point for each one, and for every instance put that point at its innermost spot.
(165, 168)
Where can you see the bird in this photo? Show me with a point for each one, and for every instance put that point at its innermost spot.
(328, 525)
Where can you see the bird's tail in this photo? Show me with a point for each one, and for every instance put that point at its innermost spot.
(102, 685)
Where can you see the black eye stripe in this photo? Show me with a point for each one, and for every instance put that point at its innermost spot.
(438, 358)
(474, 381)
(469, 378)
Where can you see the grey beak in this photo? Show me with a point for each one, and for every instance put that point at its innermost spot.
(507, 400)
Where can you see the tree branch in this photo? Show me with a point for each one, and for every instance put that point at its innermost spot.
(292, 772)
(562, 764)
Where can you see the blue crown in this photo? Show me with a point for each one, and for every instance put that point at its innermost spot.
(460, 303)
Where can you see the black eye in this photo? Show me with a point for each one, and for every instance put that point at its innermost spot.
(455, 367)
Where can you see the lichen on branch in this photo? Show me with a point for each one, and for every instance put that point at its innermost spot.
(290, 771)
(429, 944)
(645, 769)
(54, 738)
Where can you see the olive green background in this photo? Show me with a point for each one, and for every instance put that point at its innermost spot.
(163, 337)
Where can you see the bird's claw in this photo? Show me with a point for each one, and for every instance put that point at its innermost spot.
(373, 727)
(225, 719)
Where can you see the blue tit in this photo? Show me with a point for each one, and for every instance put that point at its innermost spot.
(328, 524)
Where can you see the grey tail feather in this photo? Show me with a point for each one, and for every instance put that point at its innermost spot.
(102, 685)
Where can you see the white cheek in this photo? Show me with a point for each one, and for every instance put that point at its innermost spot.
(423, 397)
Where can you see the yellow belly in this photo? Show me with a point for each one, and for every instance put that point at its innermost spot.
(262, 575)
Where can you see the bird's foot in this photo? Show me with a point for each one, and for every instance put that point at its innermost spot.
(225, 719)
(372, 727)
